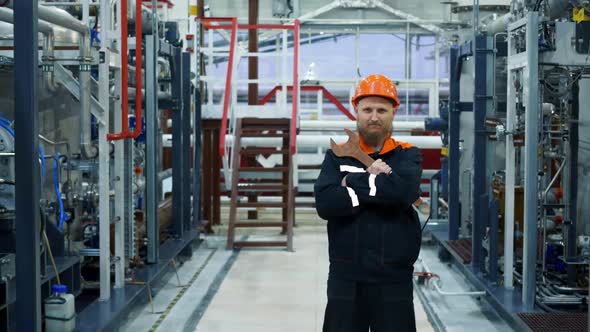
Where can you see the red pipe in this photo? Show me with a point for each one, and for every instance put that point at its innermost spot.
(125, 76)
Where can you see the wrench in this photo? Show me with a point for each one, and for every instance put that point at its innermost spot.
(352, 149)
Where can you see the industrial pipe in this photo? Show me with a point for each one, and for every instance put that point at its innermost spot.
(7, 15)
(321, 141)
(161, 95)
(56, 16)
(348, 124)
(424, 142)
(125, 75)
(437, 284)
(63, 18)
(498, 25)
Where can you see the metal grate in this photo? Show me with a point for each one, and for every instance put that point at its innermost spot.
(556, 322)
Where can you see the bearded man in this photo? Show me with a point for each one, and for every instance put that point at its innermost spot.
(373, 231)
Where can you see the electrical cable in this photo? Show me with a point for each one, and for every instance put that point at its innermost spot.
(424, 226)
(57, 193)
(51, 257)
(5, 123)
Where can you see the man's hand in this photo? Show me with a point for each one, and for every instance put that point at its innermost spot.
(343, 182)
(379, 166)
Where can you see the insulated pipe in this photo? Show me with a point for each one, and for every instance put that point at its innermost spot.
(7, 15)
(498, 25)
(56, 16)
(556, 8)
(424, 142)
(341, 124)
(62, 18)
(322, 141)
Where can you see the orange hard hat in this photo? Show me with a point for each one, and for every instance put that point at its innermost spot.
(376, 85)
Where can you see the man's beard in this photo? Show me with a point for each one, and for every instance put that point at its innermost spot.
(375, 138)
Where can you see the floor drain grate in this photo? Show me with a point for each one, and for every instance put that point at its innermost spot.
(556, 322)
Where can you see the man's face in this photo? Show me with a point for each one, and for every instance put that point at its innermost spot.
(374, 119)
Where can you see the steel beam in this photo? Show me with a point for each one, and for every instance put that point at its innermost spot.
(531, 163)
(152, 166)
(177, 157)
(28, 284)
(186, 140)
(454, 154)
(481, 100)
(197, 168)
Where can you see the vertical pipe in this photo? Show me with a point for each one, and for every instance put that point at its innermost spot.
(197, 169)
(177, 125)
(88, 151)
(151, 121)
(122, 23)
(139, 64)
(104, 208)
(573, 182)
(454, 154)
(408, 68)
(434, 111)
(357, 54)
(28, 283)
(509, 196)
(479, 151)
(434, 197)
(295, 102)
(493, 220)
(531, 163)
(186, 139)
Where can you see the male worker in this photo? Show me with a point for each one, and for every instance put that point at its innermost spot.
(373, 231)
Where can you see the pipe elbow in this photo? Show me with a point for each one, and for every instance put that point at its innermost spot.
(88, 150)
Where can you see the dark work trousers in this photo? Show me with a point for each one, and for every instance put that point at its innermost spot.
(357, 306)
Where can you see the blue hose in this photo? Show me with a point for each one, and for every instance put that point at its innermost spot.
(62, 216)
(5, 123)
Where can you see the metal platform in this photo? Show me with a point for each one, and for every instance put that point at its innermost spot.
(556, 322)
(103, 316)
(506, 302)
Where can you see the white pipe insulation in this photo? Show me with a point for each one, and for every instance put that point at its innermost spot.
(323, 141)
(349, 124)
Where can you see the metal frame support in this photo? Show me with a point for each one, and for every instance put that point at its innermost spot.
(493, 213)
(104, 178)
(509, 180)
(119, 183)
(28, 283)
(177, 143)
(531, 162)
(152, 165)
(482, 102)
(434, 193)
(197, 156)
(454, 153)
(186, 139)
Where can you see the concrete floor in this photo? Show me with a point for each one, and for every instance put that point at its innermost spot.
(270, 290)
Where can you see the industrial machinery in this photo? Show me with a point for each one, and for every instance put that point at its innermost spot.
(517, 162)
(105, 226)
